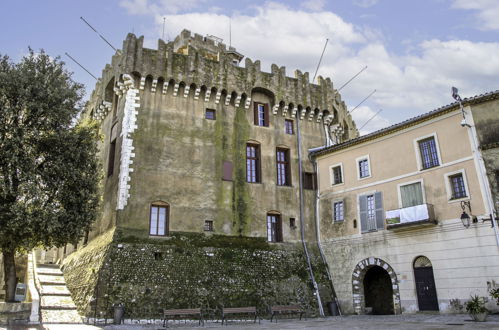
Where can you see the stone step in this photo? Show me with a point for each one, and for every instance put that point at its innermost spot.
(57, 302)
(55, 290)
(49, 271)
(52, 266)
(51, 279)
(61, 316)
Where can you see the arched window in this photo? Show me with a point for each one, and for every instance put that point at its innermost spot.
(159, 219)
(274, 227)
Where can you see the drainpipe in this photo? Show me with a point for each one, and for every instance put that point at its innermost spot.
(302, 226)
(318, 234)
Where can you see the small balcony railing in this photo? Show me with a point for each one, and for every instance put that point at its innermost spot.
(410, 216)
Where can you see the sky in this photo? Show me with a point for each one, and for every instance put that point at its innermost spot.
(415, 51)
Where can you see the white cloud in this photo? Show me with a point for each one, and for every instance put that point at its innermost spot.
(407, 85)
(314, 5)
(365, 3)
(159, 7)
(367, 121)
(487, 12)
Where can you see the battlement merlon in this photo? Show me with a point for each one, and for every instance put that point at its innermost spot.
(196, 61)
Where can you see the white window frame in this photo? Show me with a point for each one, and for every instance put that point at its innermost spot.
(421, 181)
(334, 211)
(331, 175)
(418, 152)
(357, 160)
(448, 186)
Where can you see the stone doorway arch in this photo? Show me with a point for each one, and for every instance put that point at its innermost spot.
(358, 276)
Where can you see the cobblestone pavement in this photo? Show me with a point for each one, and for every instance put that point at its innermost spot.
(361, 322)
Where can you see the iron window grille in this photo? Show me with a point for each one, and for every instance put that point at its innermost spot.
(458, 188)
(429, 155)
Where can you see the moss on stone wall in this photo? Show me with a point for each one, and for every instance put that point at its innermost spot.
(188, 270)
(241, 201)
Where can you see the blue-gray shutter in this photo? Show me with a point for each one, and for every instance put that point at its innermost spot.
(380, 215)
(363, 213)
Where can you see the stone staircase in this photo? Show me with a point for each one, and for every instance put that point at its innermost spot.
(56, 304)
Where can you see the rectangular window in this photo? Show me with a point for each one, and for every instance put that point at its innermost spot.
(253, 163)
(497, 180)
(110, 162)
(261, 114)
(210, 114)
(363, 168)
(371, 212)
(338, 211)
(274, 228)
(288, 126)
(158, 222)
(337, 174)
(283, 172)
(208, 225)
(428, 152)
(458, 189)
(411, 194)
(309, 181)
(292, 223)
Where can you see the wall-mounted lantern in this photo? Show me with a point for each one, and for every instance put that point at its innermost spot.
(465, 217)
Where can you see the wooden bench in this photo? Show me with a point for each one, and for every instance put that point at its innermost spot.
(238, 310)
(174, 314)
(285, 309)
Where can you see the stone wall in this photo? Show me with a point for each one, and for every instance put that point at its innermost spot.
(191, 270)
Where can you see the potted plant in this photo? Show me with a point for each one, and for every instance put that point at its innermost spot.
(495, 294)
(476, 308)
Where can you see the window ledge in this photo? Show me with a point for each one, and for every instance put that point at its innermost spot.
(457, 200)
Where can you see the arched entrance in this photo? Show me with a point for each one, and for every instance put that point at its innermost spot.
(378, 291)
(425, 284)
(375, 287)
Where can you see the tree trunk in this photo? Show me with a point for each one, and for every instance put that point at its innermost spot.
(9, 264)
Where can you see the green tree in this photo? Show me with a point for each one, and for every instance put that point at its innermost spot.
(48, 168)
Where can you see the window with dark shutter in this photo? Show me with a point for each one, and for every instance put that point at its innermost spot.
(274, 227)
(261, 114)
(110, 162)
(283, 170)
(227, 171)
(380, 215)
(253, 163)
(309, 181)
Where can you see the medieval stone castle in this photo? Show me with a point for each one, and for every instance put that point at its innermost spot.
(208, 195)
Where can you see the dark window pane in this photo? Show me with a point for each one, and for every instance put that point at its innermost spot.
(363, 168)
(457, 186)
(337, 177)
(283, 171)
(309, 181)
(428, 150)
(288, 125)
(112, 152)
(210, 114)
(252, 163)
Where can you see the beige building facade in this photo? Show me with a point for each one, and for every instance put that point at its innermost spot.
(390, 209)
